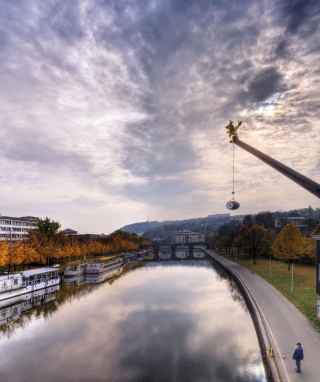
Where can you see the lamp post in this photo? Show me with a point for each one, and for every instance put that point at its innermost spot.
(316, 235)
(270, 265)
(292, 277)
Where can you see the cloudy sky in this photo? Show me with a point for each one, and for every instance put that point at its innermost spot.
(115, 110)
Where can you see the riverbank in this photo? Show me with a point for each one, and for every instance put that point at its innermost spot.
(301, 292)
(281, 324)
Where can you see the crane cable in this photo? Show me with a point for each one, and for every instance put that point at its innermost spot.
(233, 171)
(233, 204)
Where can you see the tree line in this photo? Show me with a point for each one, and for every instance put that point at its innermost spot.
(47, 243)
(257, 238)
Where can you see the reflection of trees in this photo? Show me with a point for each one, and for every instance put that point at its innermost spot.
(128, 269)
(65, 294)
(232, 286)
(68, 293)
(45, 310)
(236, 293)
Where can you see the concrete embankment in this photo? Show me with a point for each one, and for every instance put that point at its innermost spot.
(279, 325)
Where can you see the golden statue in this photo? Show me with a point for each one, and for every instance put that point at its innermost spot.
(233, 129)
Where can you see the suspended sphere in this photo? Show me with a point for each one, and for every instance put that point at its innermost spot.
(233, 205)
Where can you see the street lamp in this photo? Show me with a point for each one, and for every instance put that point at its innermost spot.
(316, 235)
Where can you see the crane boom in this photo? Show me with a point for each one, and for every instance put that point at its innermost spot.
(295, 176)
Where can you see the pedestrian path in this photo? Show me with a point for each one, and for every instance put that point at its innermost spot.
(284, 325)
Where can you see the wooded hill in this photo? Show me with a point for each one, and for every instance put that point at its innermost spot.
(155, 229)
(154, 226)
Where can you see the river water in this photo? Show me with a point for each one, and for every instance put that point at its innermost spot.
(164, 321)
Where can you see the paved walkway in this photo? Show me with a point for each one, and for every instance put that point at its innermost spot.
(284, 325)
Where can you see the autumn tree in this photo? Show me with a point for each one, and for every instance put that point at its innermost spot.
(226, 235)
(264, 219)
(29, 253)
(15, 254)
(47, 227)
(71, 246)
(4, 249)
(46, 238)
(311, 225)
(309, 253)
(289, 245)
(211, 239)
(269, 237)
(247, 219)
(254, 240)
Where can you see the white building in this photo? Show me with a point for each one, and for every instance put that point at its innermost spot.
(219, 216)
(13, 229)
(298, 221)
(187, 237)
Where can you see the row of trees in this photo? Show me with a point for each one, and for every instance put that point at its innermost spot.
(47, 243)
(255, 240)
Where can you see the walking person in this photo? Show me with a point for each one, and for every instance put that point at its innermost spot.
(298, 356)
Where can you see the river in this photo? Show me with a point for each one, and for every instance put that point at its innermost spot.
(161, 321)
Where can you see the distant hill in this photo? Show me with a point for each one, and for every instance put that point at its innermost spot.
(141, 228)
(155, 229)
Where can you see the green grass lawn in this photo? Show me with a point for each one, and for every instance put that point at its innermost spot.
(304, 281)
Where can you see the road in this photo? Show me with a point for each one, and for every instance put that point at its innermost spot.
(283, 324)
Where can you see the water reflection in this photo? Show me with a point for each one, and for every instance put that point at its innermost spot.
(11, 316)
(166, 321)
(181, 252)
(92, 278)
(18, 315)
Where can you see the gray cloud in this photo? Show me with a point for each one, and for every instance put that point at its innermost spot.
(129, 93)
(29, 146)
(300, 16)
(265, 84)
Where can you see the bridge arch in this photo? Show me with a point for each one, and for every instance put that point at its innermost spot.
(173, 247)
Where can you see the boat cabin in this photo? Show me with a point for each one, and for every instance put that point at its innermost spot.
(13, 281)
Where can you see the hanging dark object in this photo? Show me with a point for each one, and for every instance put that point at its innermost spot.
(233, 204)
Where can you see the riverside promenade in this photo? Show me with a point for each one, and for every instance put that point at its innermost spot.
(282, 326)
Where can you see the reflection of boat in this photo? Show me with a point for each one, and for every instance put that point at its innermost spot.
(27, 302)
(75, 270)
(130, 257)
(104, 276)
(102, 266)
(15, 285)
(142, 253)
(75, 280)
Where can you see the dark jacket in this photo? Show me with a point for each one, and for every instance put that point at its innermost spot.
(298, 354)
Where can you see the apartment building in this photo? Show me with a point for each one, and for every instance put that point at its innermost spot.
(186, 237)
(12, 228)
(298, 221)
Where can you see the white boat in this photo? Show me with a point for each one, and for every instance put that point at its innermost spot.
(95, 278)
(75, 270)
(102, 266)
(26, 284)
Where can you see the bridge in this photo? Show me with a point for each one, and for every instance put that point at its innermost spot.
(173, 247)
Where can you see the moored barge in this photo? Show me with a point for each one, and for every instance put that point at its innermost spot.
(15, 285)
(103, 266)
